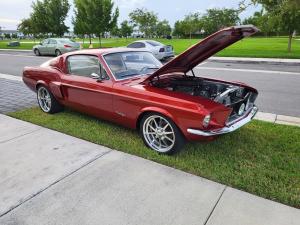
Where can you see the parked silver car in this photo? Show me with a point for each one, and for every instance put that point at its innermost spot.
(159, 50)
(55, 46)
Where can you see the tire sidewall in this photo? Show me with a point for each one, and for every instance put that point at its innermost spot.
(57, 52)
(55, 106)
(179, 138)
(37, 52)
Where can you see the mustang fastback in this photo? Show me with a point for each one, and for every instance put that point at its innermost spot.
(168, 104)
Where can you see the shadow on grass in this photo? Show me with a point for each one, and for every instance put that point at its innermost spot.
(261, 158)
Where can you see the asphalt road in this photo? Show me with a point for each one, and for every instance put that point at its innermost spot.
(278, 85)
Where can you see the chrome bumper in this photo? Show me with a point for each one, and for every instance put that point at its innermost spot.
(227, 129)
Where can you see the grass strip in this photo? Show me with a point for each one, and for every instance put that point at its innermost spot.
(257, 47)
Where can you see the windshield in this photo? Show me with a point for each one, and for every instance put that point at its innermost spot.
(129, 64)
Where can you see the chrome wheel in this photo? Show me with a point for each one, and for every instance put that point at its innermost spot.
(159, 133)
(44, 99)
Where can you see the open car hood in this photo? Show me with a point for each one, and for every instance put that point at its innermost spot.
(204, 49)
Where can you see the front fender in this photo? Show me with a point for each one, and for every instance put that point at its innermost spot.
(159, 110)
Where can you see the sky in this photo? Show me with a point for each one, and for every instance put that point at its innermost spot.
(12, 11)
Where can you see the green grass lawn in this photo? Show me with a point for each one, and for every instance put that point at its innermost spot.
(260, 158)
(249, 47)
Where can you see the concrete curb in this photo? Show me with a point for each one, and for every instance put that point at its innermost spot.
(255, 60)
(278, 119)
(15, 50)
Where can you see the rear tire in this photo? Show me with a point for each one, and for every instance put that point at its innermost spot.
(47, 101)
(37, 52)
(57, 52)
(161, 134)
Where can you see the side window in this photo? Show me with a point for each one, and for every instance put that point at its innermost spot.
(85, 66)
(133, 45)
(45, 42)
(142, 45)
(136, 45)
(53, 42)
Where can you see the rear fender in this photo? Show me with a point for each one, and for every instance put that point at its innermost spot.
(54, 87)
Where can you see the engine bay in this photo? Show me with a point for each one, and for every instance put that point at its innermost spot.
(238, 98)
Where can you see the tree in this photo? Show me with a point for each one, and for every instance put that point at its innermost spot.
(264, 21)
(116, 31)
(39, 17)
(163, 28)
(57, 11)
(126, 29)
(26, 27)
(178, 30)
(145, 20)
(216, 19)
(190, 25)
(286, 13)
(81, 27)
(48, 16)
(96, 16)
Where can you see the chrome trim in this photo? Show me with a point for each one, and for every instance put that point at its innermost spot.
(226, 129)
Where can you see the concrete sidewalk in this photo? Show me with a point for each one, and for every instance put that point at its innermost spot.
(47, 177)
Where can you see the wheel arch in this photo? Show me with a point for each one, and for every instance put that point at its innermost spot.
(54, 87)
(39, 83)
(161, 111)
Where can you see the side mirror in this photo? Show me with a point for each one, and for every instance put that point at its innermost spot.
(41, 43)
(95, 76)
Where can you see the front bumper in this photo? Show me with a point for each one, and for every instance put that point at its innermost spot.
(229, 128)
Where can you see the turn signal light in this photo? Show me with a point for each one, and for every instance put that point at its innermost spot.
(206, 120)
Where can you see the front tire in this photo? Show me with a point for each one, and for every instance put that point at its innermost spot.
(57, 52)
(161, 134)
(37, 52)
(47, 101)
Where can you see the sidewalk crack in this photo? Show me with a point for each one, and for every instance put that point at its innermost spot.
(213, 209)
(22, 135)
(55, 182)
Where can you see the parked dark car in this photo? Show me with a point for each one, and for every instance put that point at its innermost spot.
(13, 44)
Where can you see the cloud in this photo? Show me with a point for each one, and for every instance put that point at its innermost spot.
(9, 21)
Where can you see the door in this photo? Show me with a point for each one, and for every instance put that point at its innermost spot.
(51, 47)
(85, 93)
(43, 48)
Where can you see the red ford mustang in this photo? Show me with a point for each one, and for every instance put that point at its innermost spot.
(168, 104)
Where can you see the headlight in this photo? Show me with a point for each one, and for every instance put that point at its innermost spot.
(206, 120)
(241, 109)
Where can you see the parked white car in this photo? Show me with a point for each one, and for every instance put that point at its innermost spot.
(159, 50)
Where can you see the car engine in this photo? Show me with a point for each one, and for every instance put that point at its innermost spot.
(236, 97)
